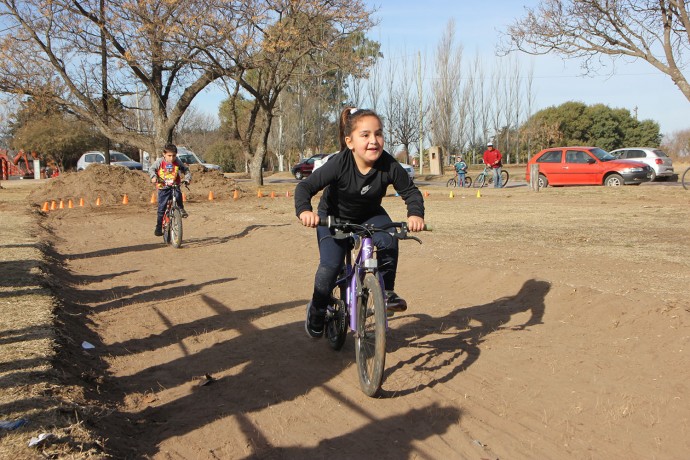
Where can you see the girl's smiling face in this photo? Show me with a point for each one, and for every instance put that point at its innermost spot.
(366, 141)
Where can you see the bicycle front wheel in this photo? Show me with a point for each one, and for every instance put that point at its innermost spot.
(450, 183)
(468, 182)
(370, 344)
(504, 177)
(686, 179)
(176, 228)
(479, 181)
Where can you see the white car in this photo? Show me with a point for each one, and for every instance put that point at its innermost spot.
(116, 159)
(661, 164)
(188, 157)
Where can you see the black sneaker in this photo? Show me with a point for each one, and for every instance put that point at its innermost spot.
(184, 213)
(395, 303)
(314, 324)
(158, 231)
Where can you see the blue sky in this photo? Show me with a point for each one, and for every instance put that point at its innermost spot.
(413, 25)
(409, 26)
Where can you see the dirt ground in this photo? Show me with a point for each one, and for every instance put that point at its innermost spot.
(551, 324)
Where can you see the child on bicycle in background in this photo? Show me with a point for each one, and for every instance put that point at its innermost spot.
(460, 170)
(165, 172)
(354, 183)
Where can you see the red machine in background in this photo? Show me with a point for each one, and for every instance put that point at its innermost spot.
(21, 165)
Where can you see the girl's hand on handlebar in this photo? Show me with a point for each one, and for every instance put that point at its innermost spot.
(415, 224)
(309, 219)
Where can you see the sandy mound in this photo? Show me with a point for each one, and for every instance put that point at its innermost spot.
(112, 183)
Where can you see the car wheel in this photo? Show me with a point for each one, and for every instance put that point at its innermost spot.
(543, 182)
(614, 180)
(653, 176)
(299, 175)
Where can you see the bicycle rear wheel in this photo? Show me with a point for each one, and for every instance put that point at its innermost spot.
(370, 344)
(686, 179)
(451, 183)
(336, 319)
(468, 182)
(176, 228)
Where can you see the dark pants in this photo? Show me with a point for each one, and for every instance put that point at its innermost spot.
(165, 194)
(332, 256)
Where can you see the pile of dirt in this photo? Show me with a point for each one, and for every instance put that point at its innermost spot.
(112, 183)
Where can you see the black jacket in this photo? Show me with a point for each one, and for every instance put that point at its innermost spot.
(354, 196)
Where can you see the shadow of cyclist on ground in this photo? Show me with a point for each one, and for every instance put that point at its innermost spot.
(461, 332)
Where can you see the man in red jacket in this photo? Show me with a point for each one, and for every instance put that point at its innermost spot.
(492, 158)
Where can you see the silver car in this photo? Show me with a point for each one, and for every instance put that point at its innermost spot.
(116, 159)
(661, 164)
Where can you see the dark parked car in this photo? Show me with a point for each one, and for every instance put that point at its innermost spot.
(586, 166)
(304, 168)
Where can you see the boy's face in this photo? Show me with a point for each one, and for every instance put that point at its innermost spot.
(169, 156)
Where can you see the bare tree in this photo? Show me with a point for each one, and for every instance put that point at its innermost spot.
(82, 54)
(445, 89)
(656, 31)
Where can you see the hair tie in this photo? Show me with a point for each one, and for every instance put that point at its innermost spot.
(353, 110)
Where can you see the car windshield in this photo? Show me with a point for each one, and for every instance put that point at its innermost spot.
(602, 154)
(187, 158)
(117, 156)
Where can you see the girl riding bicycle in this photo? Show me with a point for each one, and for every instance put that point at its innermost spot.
(354, 182)
(165, 172)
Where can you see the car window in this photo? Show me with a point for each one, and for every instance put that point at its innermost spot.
(95, 158)
(601, 154)
(660, 153)
(636, 154)
(576, 156)
(553, 156)
(117, 156)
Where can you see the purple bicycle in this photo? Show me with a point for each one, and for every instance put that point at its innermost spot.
(358, 300)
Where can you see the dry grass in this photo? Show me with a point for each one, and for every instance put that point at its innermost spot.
(32, 389)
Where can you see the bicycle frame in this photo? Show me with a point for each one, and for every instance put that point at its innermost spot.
(364, 261)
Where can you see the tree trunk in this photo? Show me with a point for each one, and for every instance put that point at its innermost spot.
(255, 169)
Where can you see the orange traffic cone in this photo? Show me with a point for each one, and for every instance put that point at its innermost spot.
(125, 199)
(426, 193)
(153, 197)
(98, 201)
(70, 204)
(259, 194)
(53, 205)
(81, 202)
(62, 204)
(235, 195)
(273, 194)
(45, 207)
(210, 196)
(287, 194)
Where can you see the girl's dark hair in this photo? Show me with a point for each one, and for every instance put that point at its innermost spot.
(348, 119)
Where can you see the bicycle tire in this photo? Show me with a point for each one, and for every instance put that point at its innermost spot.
(166, 229)
(176, 228)
(468, 182)
(451, 183)
(479, 181)
(686, 179)
(370, 344)
(505, 176)
(336, 319)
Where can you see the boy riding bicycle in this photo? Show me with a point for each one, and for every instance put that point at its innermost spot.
(165, 172)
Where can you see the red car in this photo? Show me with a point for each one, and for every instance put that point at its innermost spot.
(586, 166)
